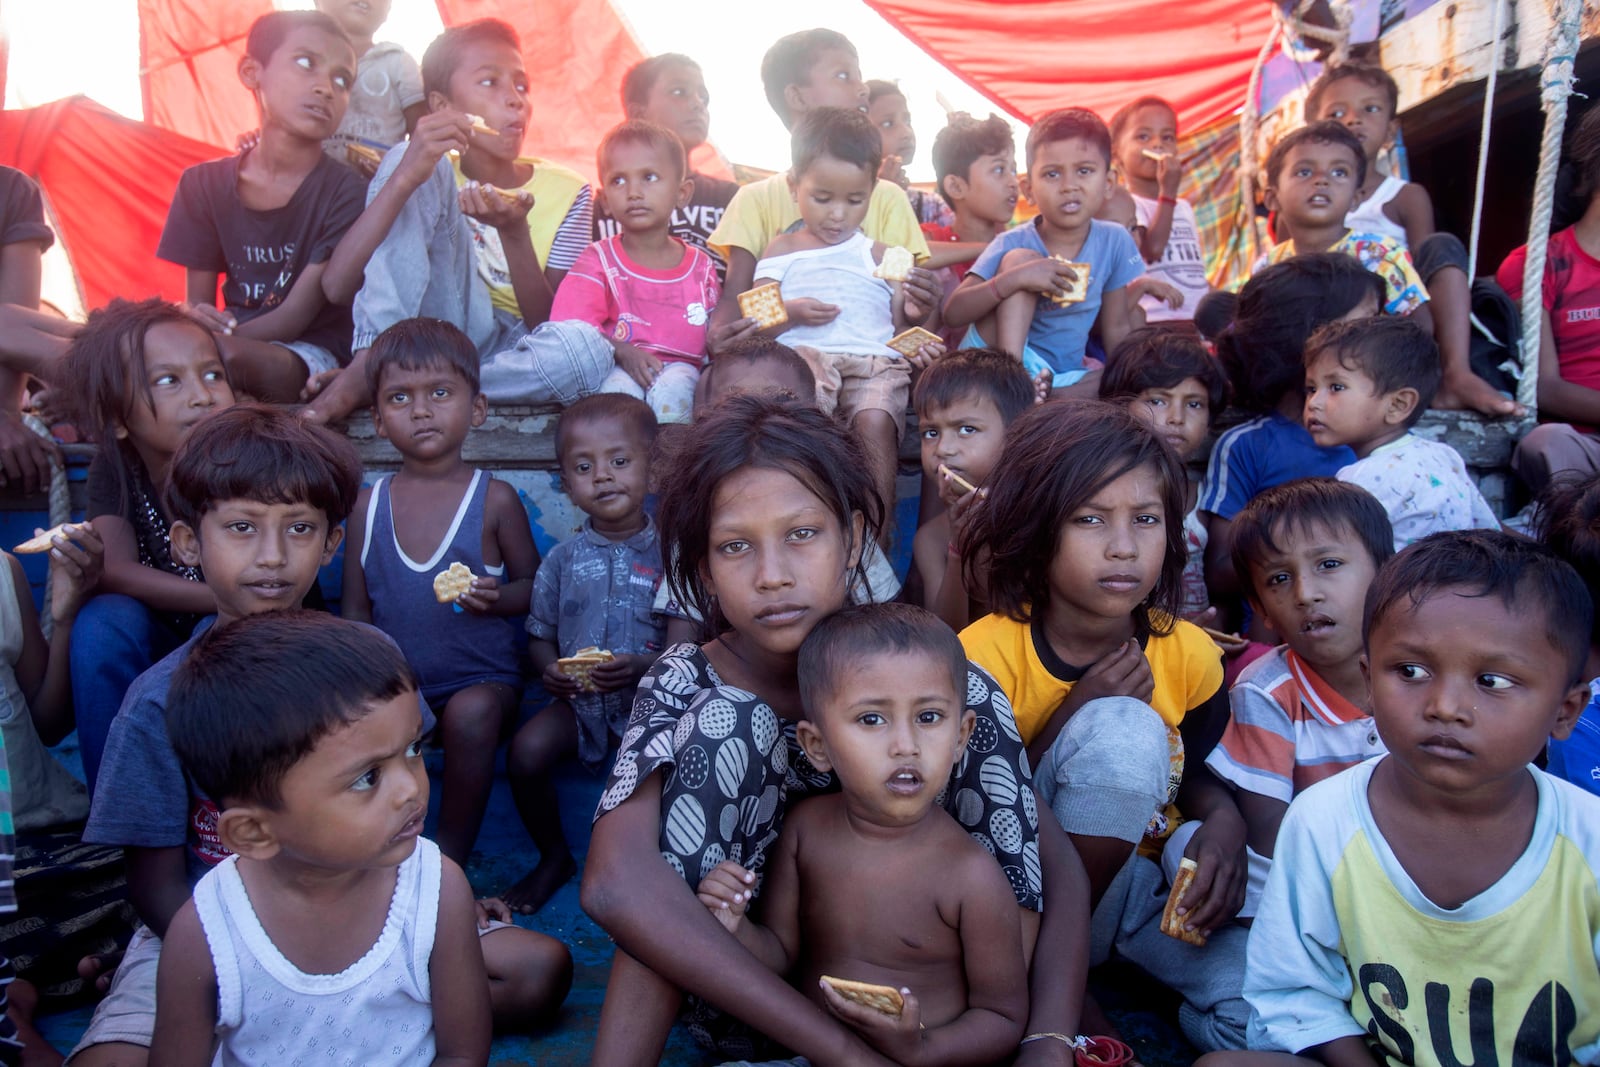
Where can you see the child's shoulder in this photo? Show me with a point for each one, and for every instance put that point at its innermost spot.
(1267, 672)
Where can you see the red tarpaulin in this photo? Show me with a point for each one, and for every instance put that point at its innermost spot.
(189, 53)
(1031, 57)
(109, 181)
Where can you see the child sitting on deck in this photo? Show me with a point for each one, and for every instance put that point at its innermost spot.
(596, 591)
(975, 165)
(334, 930)
(1024, 295)
(877, 883)
(842, 312)
(648, 291)
(1367, 384)
(267, 222)
(436, 512)
(890, 115)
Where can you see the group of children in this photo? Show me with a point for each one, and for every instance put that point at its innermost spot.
(1305, 689)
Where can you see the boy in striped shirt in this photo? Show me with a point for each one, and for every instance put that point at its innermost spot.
(1305, 552)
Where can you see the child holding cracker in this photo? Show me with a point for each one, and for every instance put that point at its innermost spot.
(878, 883)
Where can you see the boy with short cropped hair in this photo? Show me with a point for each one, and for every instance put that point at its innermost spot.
(596, 591)
(1367, 384)
(876, 882)
(1312, 177)
(433, 513)
(1022, 295)
(331, 908)
(975, 166)
(669, 90)
(461, 226)
(267, 222)
(1305, 553)
(1445, 893)
(964, 403)
(644, 288)
(891, 115)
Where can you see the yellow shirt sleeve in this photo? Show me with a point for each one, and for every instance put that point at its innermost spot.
(757, 213)
(891, 220)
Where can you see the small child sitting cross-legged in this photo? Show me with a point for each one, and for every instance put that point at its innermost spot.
(436, 512)
(1367, 383)
(877, 883)
(334, 930)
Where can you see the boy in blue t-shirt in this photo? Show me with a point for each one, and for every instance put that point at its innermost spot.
(1037, 289)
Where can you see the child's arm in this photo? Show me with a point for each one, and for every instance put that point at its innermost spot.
(1559, 398)
(544, 655)
(294, 316)
(977, 296)
(1217, 892)
(154, 588)
(529, 283)
(44, 670)
(354, 601)
(462, 1024)
(186, 995)
(1414, 212)
(158, 883)
(726, 893)
(1116, 317)
(1153, 240)
(507, 523)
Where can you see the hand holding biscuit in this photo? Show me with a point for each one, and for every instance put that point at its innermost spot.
(558, 683)
(1221, 872)
(923, 292)
(77, 557)
(481, 596)
(899, 1037)
(501, 208)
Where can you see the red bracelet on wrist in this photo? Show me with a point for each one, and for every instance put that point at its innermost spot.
(1165, 199)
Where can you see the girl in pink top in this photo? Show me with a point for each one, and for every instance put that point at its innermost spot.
(645, 289)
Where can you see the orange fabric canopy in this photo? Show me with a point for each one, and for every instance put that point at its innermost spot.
(1031, 56)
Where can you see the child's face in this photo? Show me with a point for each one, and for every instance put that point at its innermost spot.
(834, 80)
(1344, 407)
(990, 190)
(304, 87)
(967, 437)
(257, 557)
(187, 382)
(1068, 182)
(605, 469)
(1364, 111)
(1312, 590)
(427, 412)
(892, 118)
(358, 798)
(679, 101)
(1180, 414)
(1151, 128)
(1109, 553)
(1316, 185)
(779, 559)
(641, 188)
(891, 729)
(1467, 690)
(358, 18)
(833, 197)
(490, 82)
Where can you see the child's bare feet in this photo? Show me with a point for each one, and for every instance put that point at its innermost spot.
(1470, 392)
(540, 884)
(98, 968)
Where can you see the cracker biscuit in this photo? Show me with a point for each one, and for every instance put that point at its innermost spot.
(911, 340)
(45, 542)
(510, 196)
(896, 264)
(764, 303)
(480, 127)
(966, 486)
(1078, 291)
(580, 664)
(359, 155)
(1151, 153)
(452, 584)
(883, 999)
(1171, 921)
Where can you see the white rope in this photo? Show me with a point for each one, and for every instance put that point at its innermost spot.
(1483, 135)
(1555, 88)
(60, 511)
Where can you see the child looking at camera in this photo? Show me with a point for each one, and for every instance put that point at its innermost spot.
(437, 511)
(331, 908)
(877, 882)
(644, 288)
(597, 590)
(1367, 383)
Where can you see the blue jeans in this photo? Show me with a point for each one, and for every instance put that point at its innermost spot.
(114, 640)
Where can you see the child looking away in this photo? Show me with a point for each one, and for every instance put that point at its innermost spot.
(975, 166)
(1450, 876)
(386, 97)
(644, 288)
(1013, 295)
(1144, 136)
(877, 883)
(669, 90)
(597, 590)
(964, 403)
(434, 512)
(331, 907)
(841, 315)
(267, 222)
(887, 108)
(1367, 384)
(1305, 552)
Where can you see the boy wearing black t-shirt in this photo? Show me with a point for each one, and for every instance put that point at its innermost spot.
(267, 221)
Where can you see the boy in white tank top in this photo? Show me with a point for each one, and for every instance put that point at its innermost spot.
(334, 928)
